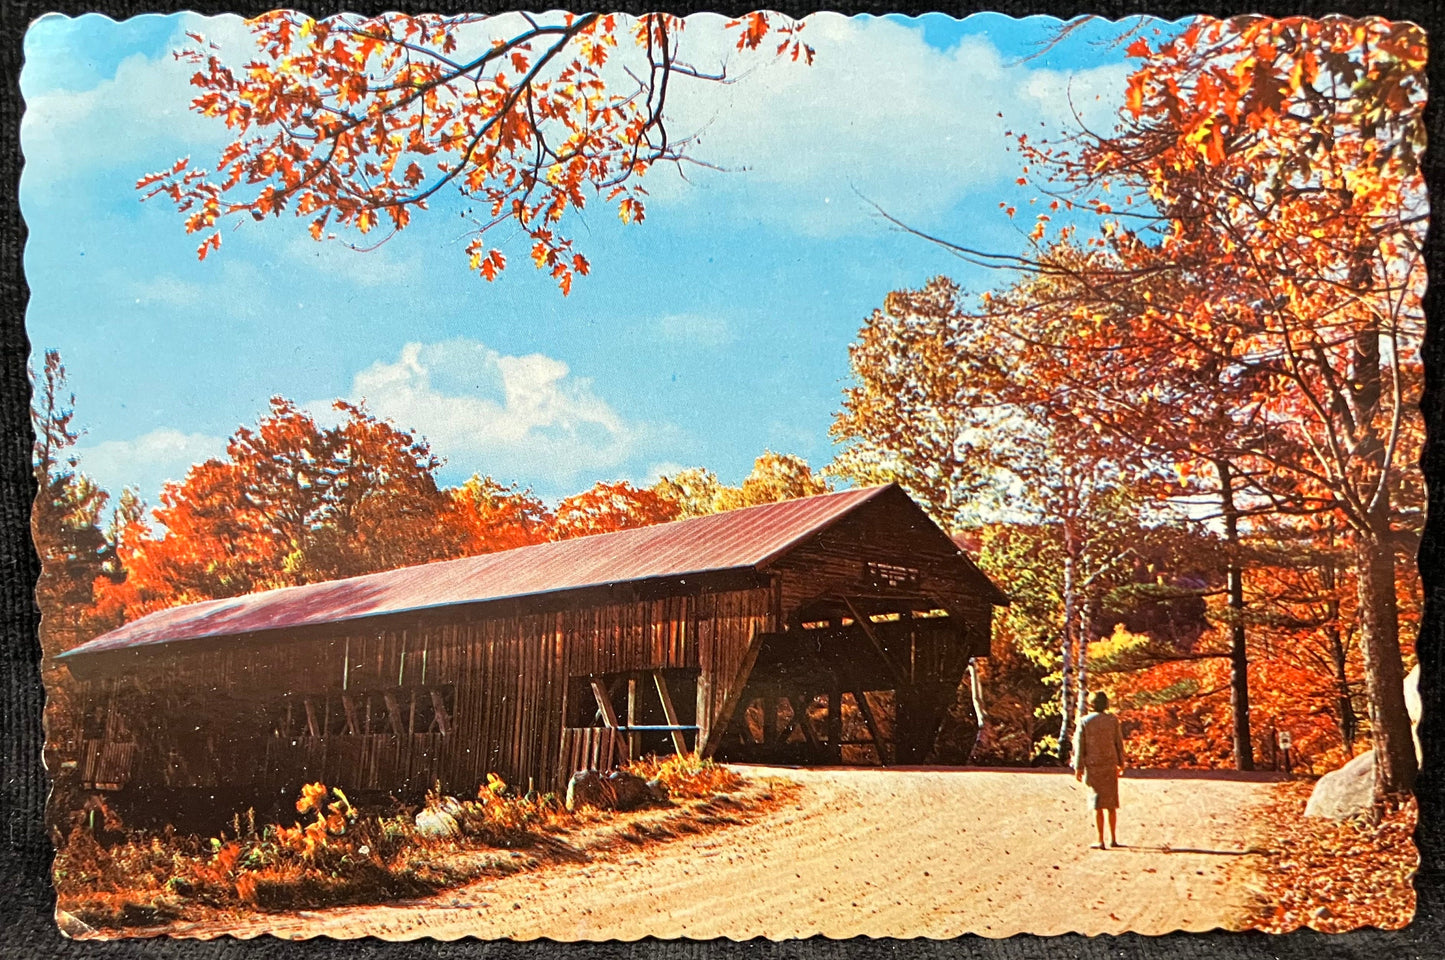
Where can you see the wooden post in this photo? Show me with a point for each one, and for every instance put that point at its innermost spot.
(634, 739)
(835, 720)
(679, 742)
(867, 711)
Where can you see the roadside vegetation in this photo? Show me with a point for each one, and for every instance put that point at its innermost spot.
(335, 853)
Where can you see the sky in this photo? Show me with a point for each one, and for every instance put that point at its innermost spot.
(715, 329)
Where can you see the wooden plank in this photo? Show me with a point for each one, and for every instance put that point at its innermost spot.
(679, 743)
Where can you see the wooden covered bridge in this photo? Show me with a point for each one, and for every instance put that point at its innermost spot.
(742, 635)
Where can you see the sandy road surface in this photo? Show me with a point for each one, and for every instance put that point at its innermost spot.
(880, 852)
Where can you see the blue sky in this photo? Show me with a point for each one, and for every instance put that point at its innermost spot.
(715, 329)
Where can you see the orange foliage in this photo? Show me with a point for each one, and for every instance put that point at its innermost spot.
(611, 506)
(357, 122)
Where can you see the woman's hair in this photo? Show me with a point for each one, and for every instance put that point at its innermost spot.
(1101, 702)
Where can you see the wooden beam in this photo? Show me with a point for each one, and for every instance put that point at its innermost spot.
(352, 726)
(803, 722)
(679, 742)
(867, 629)
(393, 710)
(862, 700)
(609, 716)
(441, 721)
(718, 725)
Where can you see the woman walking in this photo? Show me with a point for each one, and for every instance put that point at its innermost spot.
(1099, 762)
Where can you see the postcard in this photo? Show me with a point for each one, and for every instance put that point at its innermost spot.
(593, 476)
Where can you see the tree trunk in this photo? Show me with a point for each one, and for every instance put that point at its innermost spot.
(1375, 576)
(1344, 701)
(1345, 715)
(1238, 651)
(1384, 672)
(1066, 700)
(1081, 657)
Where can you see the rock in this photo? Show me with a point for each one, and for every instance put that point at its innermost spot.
(1414, 708)
(71, 925)
(659, 791)
(587, 789)
(1346, 792)
(629, 790)
(436, 823)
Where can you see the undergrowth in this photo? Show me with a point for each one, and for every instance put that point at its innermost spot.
(334, 855)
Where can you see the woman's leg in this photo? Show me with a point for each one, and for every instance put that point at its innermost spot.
(1113, 823)
(1099, 823)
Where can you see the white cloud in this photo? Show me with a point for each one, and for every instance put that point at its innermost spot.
(492, 412)
(138, 118)
(149, 461)
(879, 112)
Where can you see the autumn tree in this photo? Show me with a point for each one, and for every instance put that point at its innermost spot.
(1263, 175)
(66, 527)
(774, 477)
(1278, 160)
(946, 404)
(608, 507)
(488, 516)
(292, 502)
(357, 123)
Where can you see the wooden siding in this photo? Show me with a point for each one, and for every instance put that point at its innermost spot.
(506, 678)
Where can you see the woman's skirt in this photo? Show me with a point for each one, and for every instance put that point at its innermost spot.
(1103, 785)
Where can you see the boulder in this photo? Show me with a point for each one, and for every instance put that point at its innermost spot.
(1346, 792)
(587, 789)
(71, 925)
(629, 790)
(1414, 708)
(659, 791)
(436, 823)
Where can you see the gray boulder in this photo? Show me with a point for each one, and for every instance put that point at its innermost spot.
(71, 925)
(587, 789)
(629, 790)
(1414, 708)
(659, 791)
(437, 824)
(1346, 792)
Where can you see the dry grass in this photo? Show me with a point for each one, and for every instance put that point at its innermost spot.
(336, 855)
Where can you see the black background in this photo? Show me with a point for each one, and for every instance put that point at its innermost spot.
(26, 904)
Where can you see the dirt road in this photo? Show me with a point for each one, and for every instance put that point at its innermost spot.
(881, 852)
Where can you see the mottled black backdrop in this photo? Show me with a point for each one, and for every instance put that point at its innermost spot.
(26, 929)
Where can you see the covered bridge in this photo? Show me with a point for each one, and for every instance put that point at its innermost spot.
(741, 635)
